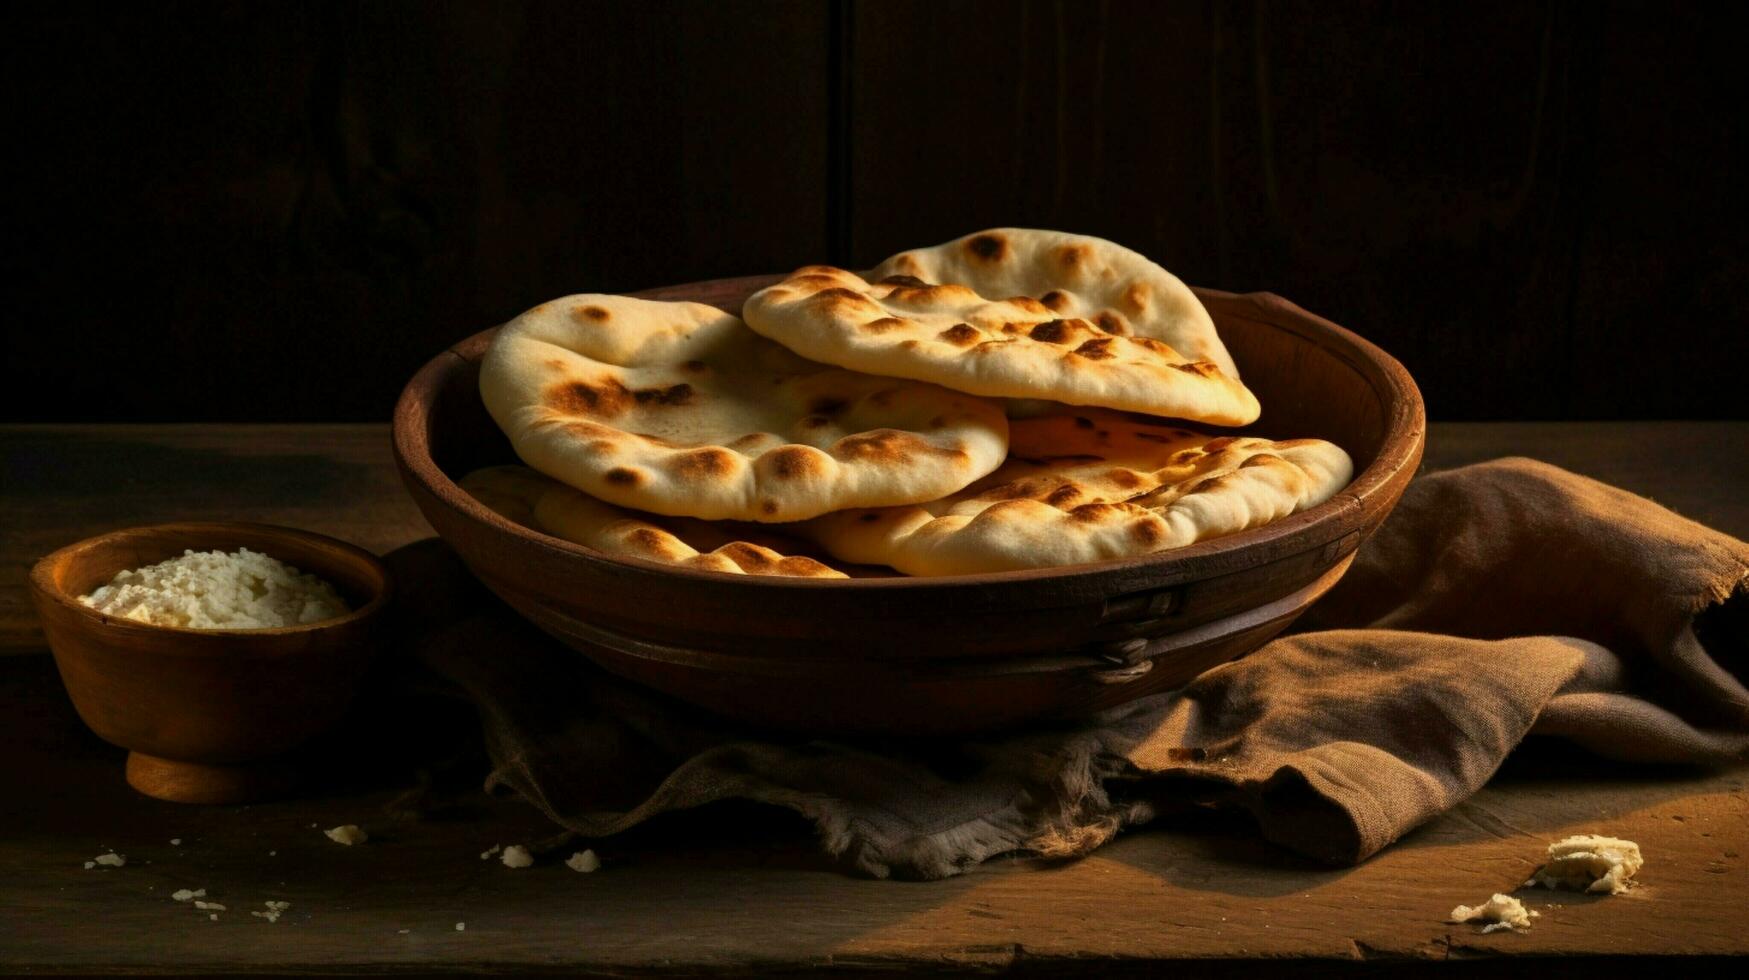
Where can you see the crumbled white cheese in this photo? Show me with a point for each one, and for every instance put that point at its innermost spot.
(488, 852)
(516, 856)
(1590, 863)
(111, 860)
(277, 906)
(1499, 912)
(214, 590)
(214, 917)
(461, 927)
(208, 906)
(272, 853)
(90, 864)
(183, 894)
(403, 932)
(347, 834)
(273, 911)
(583, 861)
(175, 842)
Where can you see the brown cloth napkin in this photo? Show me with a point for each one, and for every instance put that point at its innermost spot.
(1499, 600)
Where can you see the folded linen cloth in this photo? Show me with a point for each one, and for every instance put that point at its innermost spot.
(1499, 600)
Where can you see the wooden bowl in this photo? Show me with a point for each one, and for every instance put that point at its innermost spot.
(912, 656)
(208, 716)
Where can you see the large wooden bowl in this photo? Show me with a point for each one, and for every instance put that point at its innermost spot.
(908, 656)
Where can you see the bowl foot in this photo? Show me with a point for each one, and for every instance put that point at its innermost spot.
(195, 782)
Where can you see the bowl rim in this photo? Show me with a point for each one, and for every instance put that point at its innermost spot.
(1400, 448)
(42, 581)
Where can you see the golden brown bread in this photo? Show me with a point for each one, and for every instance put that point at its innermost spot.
(1018, 347)
(528, 498)
(679, 409)
(1080, 276)
(1088, 486)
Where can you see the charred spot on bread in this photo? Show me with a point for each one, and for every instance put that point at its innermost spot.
(960, 335)
(1051, 331)
(704, 464)
(989, 247)
(793, 462)
(652, 542)
(1097, 349)
(1064, 495)
(1146, 532)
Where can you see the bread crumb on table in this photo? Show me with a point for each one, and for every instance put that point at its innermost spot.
(208, 906)
(110, 860)
(583, 861)
(348, 834)
(184, 894)
(1499, 912)
(1590, 863)
(517, 856)
(175, 842)
(488, 852)
(461, 927)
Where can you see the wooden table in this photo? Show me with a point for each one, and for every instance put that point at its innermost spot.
(740, 890)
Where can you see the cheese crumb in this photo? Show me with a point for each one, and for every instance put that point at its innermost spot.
(111, 860)
(214, 917)
(175, 842)
(215, 590)
(1499, 912)
(1590, 863)
(488, 852)
(583, 861)
(183, 894)
(348, 834)
(90, 864)
(461, 927)
(208, 906)
(517, 856)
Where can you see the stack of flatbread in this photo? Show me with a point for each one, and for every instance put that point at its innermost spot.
(1013, 399)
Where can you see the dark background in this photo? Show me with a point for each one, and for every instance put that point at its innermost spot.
(258, 212)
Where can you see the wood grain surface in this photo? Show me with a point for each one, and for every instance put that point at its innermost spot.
(740, 890)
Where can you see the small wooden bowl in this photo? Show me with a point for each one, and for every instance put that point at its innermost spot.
(208, 716)
(918, 656)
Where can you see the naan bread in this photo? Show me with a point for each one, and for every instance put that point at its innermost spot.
(1092, 486)
(521, 495)
(679, 409)
(1076, 276)
(1003, 348)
